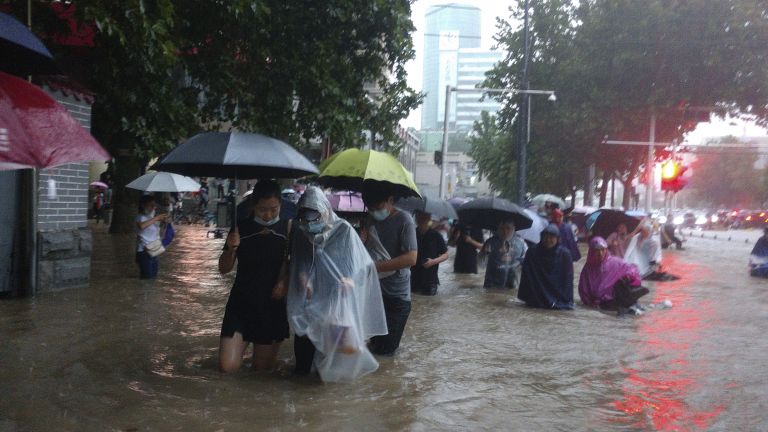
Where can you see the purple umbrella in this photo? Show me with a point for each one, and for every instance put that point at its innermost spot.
(347, 201)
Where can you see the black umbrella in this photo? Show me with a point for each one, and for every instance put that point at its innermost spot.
(437, 207)
(236, 154)
(488, 212)
(23, 53)
(603, 222)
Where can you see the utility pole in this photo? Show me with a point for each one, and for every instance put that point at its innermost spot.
(523, 133)
(649, 164)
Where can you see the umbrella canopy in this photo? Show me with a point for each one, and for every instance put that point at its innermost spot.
(604, 222)
(436, 207)
(236, 154)
(100, 185)
(40, 133)
(488, 212)
(457, 202)
(23, 53)
(533, 234)
(351, 169)
(347, 202)
(164, 182)
(542, 199)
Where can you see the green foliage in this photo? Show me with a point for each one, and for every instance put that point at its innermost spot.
(728, 179)
(612, 63)
(163, 70)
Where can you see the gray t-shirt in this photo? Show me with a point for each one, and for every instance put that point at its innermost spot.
(398, 236)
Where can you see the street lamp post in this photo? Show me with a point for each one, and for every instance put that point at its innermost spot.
(450, 89)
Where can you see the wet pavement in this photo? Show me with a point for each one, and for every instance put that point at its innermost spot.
(125, 354)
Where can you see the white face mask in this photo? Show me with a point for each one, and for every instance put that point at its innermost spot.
(150, 213)
(270, 222)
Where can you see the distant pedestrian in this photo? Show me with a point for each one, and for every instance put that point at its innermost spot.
(148, 243)
(432, 251)
(255, 312)
(203, 196)
(397, 233)
(567, 239)
(547, 280)
(667, 234)
(504, 253)
(220, 188)
(467, 240)
(758, 259)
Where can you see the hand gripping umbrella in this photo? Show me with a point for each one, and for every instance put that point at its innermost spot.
(354, 169)
(488, 212)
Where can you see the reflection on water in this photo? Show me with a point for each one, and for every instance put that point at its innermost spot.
(126, 354)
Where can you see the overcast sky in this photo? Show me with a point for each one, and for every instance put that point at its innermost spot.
(500, 8)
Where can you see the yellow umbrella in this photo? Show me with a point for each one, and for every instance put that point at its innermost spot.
(353, 168)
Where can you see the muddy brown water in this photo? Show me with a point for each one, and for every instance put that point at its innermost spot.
(125, 354)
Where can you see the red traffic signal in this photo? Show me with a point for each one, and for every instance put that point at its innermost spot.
(671, 176)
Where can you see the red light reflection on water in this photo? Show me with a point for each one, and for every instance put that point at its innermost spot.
(657, 389)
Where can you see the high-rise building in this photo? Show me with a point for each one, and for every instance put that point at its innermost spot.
(452, 56)
(447, 28)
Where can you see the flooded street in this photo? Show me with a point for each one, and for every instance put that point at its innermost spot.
(125, 354)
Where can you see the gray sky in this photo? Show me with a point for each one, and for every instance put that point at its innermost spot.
(500, 8)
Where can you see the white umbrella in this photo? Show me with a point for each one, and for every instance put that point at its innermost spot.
(533, 234)
(158, 181)
(541, 199)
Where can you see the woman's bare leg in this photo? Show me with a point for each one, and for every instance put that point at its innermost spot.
(265, 356)
(231, 351)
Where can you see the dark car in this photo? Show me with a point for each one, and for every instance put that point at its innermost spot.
(689, 220)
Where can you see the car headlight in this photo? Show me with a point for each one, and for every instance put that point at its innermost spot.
(662, 219)
(701, 220)
(714, 219)
(678, 220)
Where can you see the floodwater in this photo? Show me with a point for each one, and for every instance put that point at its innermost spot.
(129, 355)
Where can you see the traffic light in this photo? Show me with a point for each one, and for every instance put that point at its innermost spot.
(438, 158)
(672, 176)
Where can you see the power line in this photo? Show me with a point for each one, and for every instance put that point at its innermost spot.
(450, 6)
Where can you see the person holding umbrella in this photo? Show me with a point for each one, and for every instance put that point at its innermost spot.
(547, 280)
(505, 252)
(432, 251)
(397, 233)
(148, 237)
(468, 240)
(256, 309)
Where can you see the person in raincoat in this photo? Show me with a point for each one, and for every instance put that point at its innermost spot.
(547, 280)
(758, 259)
(608, 281)
(567, 240)
(505, 252)
(334, 297)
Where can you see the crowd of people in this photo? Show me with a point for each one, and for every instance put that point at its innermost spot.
(344, 286)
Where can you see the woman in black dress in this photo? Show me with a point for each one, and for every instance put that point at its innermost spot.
(256, 311)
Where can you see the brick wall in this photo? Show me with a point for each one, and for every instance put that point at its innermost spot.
(69, 209)
(64, 240)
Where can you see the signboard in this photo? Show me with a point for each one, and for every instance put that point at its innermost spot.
(449, 40)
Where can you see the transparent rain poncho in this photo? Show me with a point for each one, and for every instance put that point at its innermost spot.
(334, 296)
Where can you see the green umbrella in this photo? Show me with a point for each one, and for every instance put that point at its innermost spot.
(351, 169)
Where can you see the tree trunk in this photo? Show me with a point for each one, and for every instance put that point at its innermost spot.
(125, 201)
(604, 188)
(627, 195)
